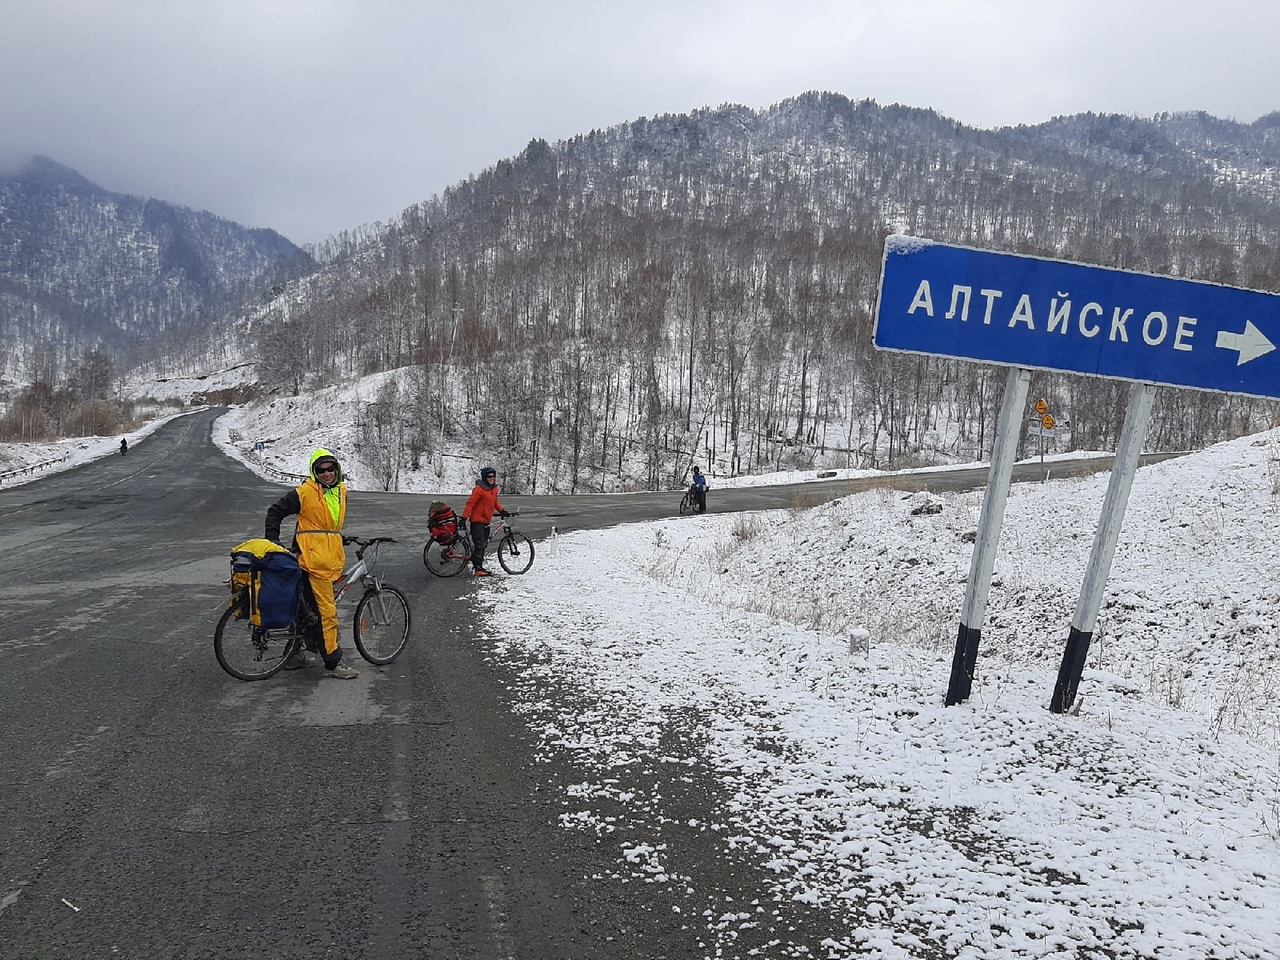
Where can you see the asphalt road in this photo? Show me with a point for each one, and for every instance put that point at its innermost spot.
(152, 806)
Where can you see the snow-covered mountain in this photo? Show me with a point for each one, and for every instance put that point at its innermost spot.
(700, 288)
(82, 268)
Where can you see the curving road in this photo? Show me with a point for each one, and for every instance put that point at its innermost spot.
(155, 807)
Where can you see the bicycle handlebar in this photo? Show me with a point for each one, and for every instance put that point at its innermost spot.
(363, 544)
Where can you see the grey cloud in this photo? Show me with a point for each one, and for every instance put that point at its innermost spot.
(311, 116)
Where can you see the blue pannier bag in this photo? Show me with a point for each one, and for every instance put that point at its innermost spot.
(269, 576)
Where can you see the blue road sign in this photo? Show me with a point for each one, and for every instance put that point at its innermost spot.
(1046, 314)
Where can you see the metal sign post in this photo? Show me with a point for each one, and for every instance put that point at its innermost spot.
(965, 661)
(1136, 417)
(1034, 313)
(1042, 425)
(1046, 430)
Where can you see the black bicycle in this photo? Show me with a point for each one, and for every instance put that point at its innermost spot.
(445, 557)
(380, 626)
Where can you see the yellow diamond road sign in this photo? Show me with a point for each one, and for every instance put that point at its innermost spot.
(1047, 421)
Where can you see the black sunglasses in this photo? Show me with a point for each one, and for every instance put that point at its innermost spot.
(327, 468)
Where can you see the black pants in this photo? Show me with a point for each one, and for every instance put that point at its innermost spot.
(479, 541)
(700, 495)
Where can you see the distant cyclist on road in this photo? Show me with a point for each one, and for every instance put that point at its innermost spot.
(124, 446)
(481, 506)
(699, 490)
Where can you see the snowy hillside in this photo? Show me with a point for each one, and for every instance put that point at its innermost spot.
(800, 661)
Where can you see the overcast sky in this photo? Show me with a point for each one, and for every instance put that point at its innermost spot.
(313, 116)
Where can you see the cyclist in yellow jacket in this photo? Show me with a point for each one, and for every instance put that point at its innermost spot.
(320, 503)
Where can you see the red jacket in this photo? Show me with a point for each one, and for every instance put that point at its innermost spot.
(482, 504)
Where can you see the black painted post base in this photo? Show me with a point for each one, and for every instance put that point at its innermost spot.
(963, 665)
(1073, 657)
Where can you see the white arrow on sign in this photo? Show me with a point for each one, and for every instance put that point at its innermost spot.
(1252, 344)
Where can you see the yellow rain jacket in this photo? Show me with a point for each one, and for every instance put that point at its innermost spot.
(321, 514)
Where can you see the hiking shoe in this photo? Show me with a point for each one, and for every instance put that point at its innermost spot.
(297, 660)
(341, 672)
(482, 572)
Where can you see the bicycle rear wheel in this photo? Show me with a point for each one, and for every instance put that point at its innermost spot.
(446, 560)
(248, 652)
(382, 624)
(515, 553)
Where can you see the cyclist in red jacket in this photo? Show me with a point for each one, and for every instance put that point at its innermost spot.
(481, 506)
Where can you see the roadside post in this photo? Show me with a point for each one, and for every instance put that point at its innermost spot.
(1030, 313)
(1128, 450)
(965, 660)
(1041, 426)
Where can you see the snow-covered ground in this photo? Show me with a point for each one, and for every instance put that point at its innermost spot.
(801, 659)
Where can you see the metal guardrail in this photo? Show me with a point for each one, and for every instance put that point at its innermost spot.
(251, 457)
(31, 468)
(291, 477)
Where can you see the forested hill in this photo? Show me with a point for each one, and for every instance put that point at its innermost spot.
(84, 269)
(701, 286)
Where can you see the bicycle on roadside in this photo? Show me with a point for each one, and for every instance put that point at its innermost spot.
(689, 502)
(380, 625)
(445, 556)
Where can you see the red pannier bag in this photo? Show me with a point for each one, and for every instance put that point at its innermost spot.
(443, 522)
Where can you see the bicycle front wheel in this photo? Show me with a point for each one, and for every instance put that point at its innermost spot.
(686, 504)
(446, 559)
(248, 652)
(515, 553)
(382, 624)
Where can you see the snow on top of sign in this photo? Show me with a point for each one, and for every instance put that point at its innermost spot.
(900, 244)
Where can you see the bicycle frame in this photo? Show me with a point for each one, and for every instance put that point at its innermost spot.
(464, 544)
(355, 572)
(360, 570)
